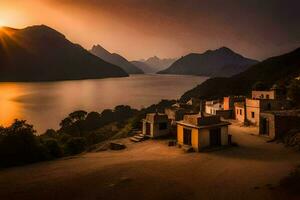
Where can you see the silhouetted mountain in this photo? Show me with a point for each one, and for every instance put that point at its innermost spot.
(115, 59)
(39, 53)
(143, 66)
(221, 62)
(278, 69)
(159, 64)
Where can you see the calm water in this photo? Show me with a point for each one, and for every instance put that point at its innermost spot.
(45, 104)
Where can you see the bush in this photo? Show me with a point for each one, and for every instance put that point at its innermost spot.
(53, 148)
(75, 145)
(19, 145)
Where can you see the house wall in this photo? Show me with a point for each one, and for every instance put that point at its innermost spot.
(226, 114)
(263, 94)
(279, 125)
(204, 138)
(213, 108)
(224, 135)
(257, 106)
(201, 137)
(226, 103)
(238, 116)
(156, 132)
(154, 129)
(195, 136)
(270, 118)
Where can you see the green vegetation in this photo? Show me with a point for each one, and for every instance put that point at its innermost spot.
(78, 132)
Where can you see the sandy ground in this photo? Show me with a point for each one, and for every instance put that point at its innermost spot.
(152, 170)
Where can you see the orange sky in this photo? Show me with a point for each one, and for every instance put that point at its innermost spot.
(166, 28)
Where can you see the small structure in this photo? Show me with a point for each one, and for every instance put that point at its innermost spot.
(156, 125)
(261, 101)
(201, 132)
(240, 111)
(274, 93)
(275, 124)
(231, 100)
(255, 106)
(212, 107)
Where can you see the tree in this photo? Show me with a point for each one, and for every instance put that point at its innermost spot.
(19, 145)
(65, 123)
(76, 145)
(78, 115)
(259, 86)
(294, 91)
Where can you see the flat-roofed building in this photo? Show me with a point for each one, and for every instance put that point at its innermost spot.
(156, 125)
(201, 132)
(275, 124)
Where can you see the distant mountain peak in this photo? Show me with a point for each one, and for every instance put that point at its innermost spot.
(115, 59)
(219, 62)
(46, 55)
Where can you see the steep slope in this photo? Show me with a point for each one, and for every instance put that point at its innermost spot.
(143, 66)
(115, 59)
(39, 53)
(277, 69)
(221, 62)
(159, 64)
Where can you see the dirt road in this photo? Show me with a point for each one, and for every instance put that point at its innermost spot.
(152, 170)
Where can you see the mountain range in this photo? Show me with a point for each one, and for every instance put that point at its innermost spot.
(156, 64)
(40, 53)
(115, 59)
(280, 70)
(222, 62)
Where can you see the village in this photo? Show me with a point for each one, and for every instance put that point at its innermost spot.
(200, 125)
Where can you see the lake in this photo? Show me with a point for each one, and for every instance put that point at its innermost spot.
(45, 104)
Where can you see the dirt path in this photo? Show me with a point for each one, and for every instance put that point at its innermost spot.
(152, 170)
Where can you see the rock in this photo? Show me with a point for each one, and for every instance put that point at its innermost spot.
(117, 146)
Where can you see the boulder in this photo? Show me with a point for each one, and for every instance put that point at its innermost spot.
(117, 146)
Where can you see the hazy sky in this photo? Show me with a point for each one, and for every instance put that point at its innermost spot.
(166, 28)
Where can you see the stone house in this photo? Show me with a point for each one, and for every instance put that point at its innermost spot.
(261, 101)
(201, 132)
(156, 125)
(212, 107)
(275, 124)
(255, 106)
(239, 110)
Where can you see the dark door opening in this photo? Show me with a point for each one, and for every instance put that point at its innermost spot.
(215, 137)
(264, 126)
(148, 128)
(187, 136)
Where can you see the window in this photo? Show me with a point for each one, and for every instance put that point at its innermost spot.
(237, 111)
(252, 114)
(268, 96)
(163, 126)
(241, 111)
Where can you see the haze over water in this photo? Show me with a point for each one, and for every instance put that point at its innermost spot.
(45, 104)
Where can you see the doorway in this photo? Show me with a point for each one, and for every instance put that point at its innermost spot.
(215, 137)
(148, 128)
(187, 136)
(264, 126)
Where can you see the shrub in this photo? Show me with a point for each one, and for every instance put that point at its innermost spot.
(20, 146)
(75, 145)
(53, 148)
